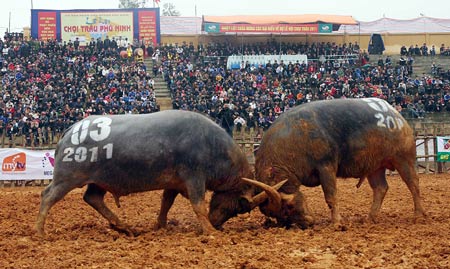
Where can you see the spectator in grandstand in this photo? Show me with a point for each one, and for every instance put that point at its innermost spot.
(226, 118)
(433, 50)
(239, 123)
(417, 50)
(403, 51)
(424, 49)
(76, 43)
(420, 109)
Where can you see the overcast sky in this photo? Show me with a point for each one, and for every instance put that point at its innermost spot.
(362, 10)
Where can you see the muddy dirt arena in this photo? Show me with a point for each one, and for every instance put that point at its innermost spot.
(78, 237)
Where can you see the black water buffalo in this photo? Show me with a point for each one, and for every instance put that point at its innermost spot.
(178, 151)
(314, 143)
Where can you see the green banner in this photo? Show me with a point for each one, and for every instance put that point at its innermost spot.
(325, 27)
(443, 157)
(443, 148)
(212, 27)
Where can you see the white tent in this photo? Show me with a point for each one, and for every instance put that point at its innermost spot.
(388, 25)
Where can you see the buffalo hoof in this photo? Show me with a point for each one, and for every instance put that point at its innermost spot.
(41, 236)
(340, 227)
(420, 217)
(219, 228)
(373, 218)
(158, 225)
(124, 229)
(209, 231)
(309, 220)
(269, 223)
(305, 222)
(40, 233)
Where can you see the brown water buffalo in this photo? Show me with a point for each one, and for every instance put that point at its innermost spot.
(314, 143)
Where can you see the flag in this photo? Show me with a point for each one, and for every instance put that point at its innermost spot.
(156, 2)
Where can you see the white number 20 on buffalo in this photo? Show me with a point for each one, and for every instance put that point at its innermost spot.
(386, 115)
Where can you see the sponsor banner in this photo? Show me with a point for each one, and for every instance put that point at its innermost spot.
(443, 148)
(47, 25)
(266, 28)
(87, 25)
(23, 164)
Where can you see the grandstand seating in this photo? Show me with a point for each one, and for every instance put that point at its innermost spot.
(196, 80)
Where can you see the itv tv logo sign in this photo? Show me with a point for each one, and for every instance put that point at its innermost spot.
(15, 163)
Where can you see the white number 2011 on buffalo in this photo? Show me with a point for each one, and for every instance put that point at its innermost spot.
(80, 132)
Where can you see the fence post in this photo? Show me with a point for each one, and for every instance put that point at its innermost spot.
(435, 132)
(440, 167)
(427, 153)
(3, 137)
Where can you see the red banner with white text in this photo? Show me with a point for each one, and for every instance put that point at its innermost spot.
(47, 25)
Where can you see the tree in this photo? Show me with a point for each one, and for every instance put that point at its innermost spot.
(170, 10)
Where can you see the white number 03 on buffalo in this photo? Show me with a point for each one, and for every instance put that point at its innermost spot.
(100, 130)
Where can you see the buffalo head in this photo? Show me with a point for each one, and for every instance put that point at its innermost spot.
(294, 211)
(225, 205)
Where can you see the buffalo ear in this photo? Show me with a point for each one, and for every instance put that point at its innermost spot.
(244, 204)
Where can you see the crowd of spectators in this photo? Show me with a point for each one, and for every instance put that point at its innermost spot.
(424, 50)
(257, 95)
(313, 50)
(47, 86)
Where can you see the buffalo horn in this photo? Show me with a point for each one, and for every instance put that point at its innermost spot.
(269, 191)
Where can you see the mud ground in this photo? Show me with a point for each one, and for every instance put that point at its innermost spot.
(78, 237)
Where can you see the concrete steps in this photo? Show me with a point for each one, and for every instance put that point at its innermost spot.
(162, 93)
(160, 88)
(165, 103)
(422, 64)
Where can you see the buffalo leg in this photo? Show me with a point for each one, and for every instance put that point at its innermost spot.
(328, 181)
(94, 197)
(166, 203)
(49, 197)
(379, 186)
(302, 214)
(201, 211)
(410, 177)
(196, 195)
